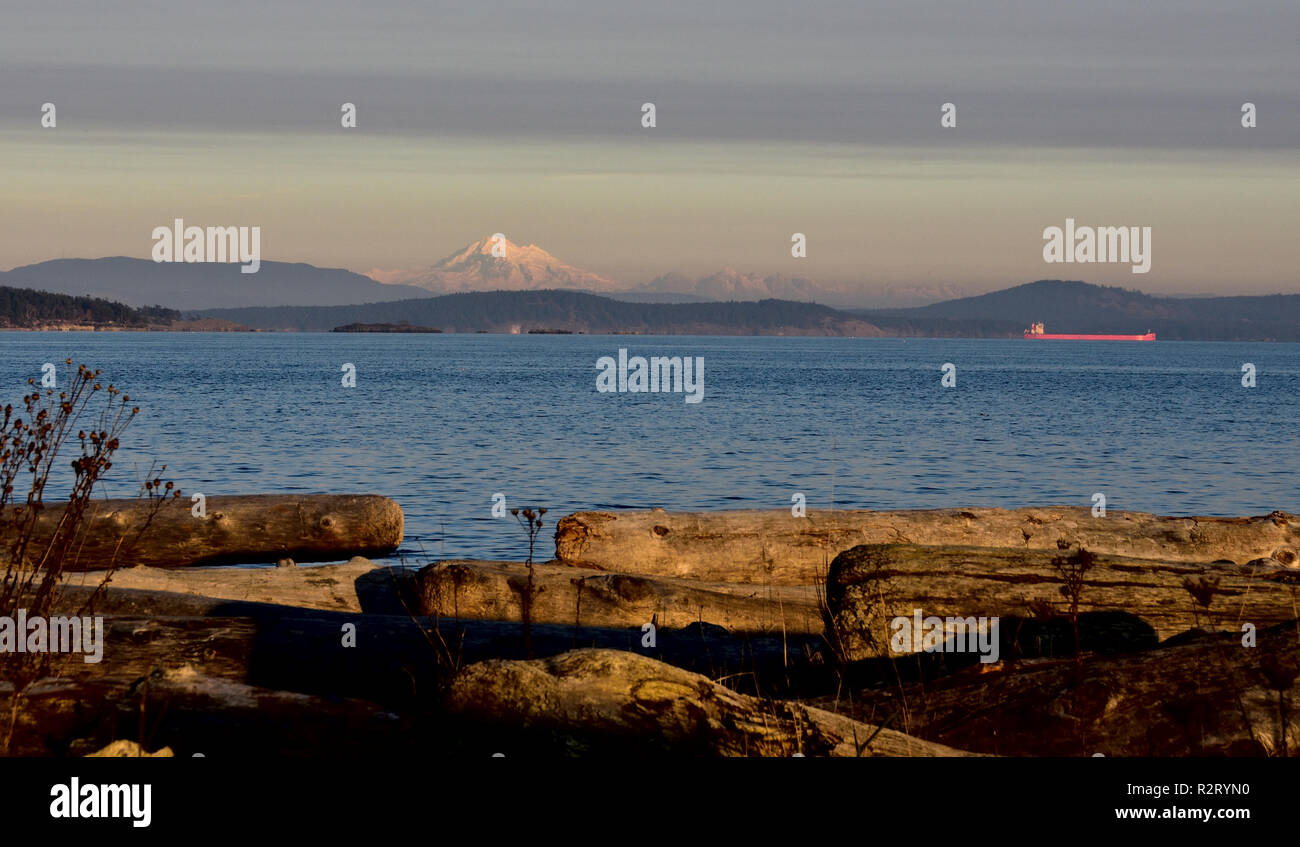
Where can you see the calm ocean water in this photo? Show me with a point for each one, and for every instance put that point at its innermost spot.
(442, 422)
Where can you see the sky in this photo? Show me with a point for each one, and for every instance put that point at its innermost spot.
(773, 118)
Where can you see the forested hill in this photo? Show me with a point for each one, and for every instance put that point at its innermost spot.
(521, 311)
(1071, 306)
(28, 309)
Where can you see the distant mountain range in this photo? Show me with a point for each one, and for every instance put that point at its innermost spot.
(182, 285)
(189, 286)
(299, 296)
(530, 268)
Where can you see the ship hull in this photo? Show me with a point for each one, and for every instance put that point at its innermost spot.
(1150, 336)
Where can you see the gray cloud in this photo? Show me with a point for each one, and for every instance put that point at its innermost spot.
(1168, 74)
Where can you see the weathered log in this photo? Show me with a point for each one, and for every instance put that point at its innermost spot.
(356, 586)
(871, 585)
(1196, 695)
(381, 658)
(495, 591)
(774, 548)
(609, 702)
(396, 660)
(193, 713)
(123, 749)
(254, 529)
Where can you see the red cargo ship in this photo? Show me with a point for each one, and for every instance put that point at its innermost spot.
(1036, 332)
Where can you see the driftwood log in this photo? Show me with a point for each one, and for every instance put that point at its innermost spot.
(775, 548)
(609, 702)
(396, 660)
(356, 586)
(255, 529)
(123, 749)
(192, 713)
(870, 585)
(560, 595)
(1197, 695)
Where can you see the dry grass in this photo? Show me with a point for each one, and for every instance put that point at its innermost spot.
(34, 440)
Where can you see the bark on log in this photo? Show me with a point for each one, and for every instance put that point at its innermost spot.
(253, 529)
(1198, 695)
(774, 548)
(611, 702)
(495, 591)
(872, 584)
(356, 586)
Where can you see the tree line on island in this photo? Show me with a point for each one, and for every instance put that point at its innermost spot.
(28, 309)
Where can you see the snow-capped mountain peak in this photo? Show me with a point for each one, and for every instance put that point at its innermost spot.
(495, 262)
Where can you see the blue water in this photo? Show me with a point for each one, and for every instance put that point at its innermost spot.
(442, 422)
